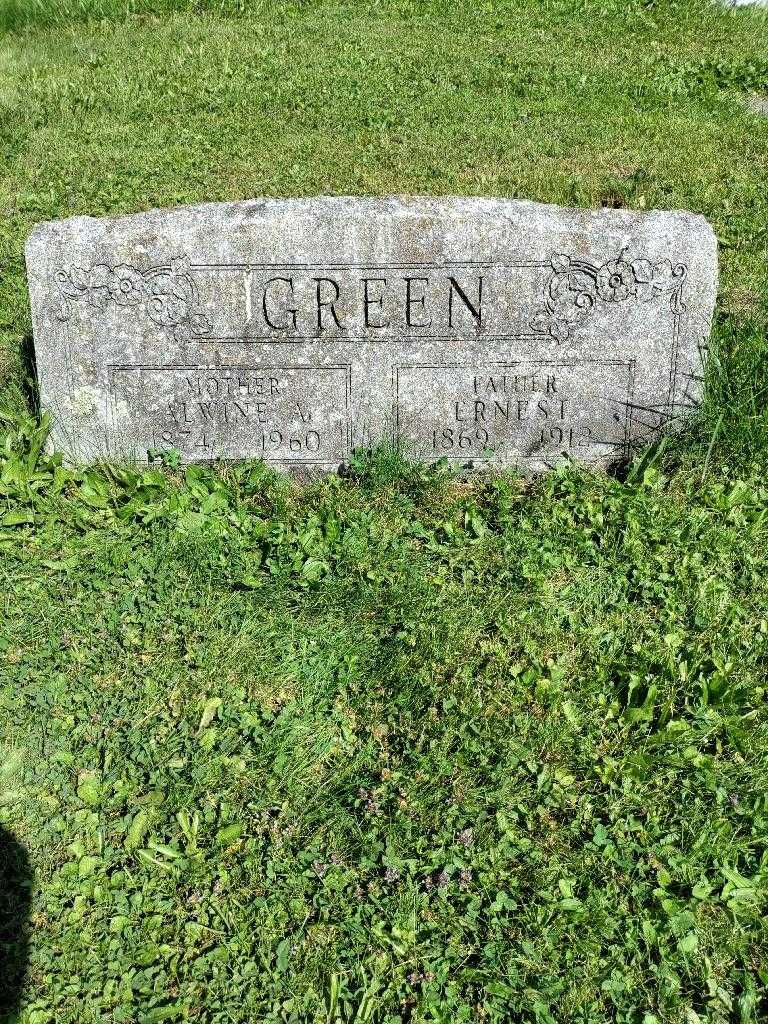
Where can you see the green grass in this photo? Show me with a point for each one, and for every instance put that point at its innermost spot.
(392, 746)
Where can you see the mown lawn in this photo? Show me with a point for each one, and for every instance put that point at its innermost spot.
(393, 746)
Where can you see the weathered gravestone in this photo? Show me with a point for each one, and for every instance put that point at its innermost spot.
(483, 331)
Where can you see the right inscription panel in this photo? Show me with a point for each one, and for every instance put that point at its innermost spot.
(522, 412)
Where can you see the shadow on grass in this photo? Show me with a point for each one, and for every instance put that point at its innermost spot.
(29, 380)
(15, 890)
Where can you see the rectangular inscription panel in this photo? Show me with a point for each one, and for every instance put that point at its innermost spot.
(281, 414)
(514, 412)
(485, 331)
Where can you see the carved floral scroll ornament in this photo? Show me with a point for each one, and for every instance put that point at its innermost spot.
(575, 287)
(167, 294)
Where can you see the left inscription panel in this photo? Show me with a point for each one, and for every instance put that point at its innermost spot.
(292, 415)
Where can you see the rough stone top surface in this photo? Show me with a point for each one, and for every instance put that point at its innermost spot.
(483, 331)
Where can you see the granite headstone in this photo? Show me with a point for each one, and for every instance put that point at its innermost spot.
(484, 331)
